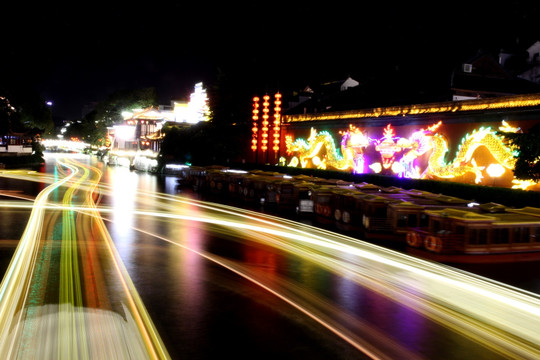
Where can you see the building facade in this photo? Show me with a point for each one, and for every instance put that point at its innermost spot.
(455, 141)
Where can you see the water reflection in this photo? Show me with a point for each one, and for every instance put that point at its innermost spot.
(58, 288)
(123, 201)
(218, 280)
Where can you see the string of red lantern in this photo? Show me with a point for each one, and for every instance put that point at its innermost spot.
(255, 128)
(265, 123)
(277, 121)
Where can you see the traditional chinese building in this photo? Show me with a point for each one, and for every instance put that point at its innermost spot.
(139, 131)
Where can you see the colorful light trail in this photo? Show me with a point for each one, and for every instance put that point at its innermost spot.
(47, 310)
(501, 318)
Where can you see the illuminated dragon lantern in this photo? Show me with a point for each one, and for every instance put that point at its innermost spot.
(464, 161)
(399, 156)
(321, 144)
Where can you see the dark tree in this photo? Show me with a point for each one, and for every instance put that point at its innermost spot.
(177, 145)
(23, 110)
(230, 102)
(92, 128)
(110, 110)
(528, 160)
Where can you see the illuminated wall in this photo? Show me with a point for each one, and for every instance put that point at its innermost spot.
(463, 152)
(453, 141)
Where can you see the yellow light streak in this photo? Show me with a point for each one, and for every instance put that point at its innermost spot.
(74, 337)
(496, 315)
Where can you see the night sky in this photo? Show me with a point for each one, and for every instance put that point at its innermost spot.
(76, 53)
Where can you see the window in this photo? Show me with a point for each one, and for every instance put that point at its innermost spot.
(535, 234)
(380, 212)
(478, 236)
(402, 221)
(424, 220)
(435, 226)
(501, 236)
(413, 220)
(520, 235)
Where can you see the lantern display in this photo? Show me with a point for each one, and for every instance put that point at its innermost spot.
(277, 121)
(255, 128)
(265, 123)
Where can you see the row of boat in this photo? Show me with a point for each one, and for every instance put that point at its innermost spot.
(435, 226)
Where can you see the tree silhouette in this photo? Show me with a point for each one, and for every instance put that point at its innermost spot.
(528, 159)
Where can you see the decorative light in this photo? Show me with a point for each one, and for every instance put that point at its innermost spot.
(277, 121)
(503, 102)
(507, 128)
(289, 144)
(255, 128)
(495, 170)
(402, 155)
(265, 117)
(376, 167)
(387, 147)
(197, 107)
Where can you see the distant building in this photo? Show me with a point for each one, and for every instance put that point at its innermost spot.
(532, 73)
(419, 126)
(193, 111)
(306, 101)
(137, 141)
(484, 76)
(140, 131)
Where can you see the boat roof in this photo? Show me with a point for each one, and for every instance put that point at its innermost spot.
(529, 210)
(459, 214)
(527, 215)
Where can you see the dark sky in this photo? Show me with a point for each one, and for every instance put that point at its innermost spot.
(83, 51)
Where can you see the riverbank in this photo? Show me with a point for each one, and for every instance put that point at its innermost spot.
(20, 161)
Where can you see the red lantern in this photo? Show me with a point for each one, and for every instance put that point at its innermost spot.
(277, 121)
(265, 117)
(255, 128)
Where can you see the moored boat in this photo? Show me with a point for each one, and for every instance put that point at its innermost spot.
(458, 236)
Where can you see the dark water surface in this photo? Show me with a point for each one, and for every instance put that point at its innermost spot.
(205, 311)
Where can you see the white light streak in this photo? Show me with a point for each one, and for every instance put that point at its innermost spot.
(501, 317)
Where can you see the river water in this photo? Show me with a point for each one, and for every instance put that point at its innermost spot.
(204, 310)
